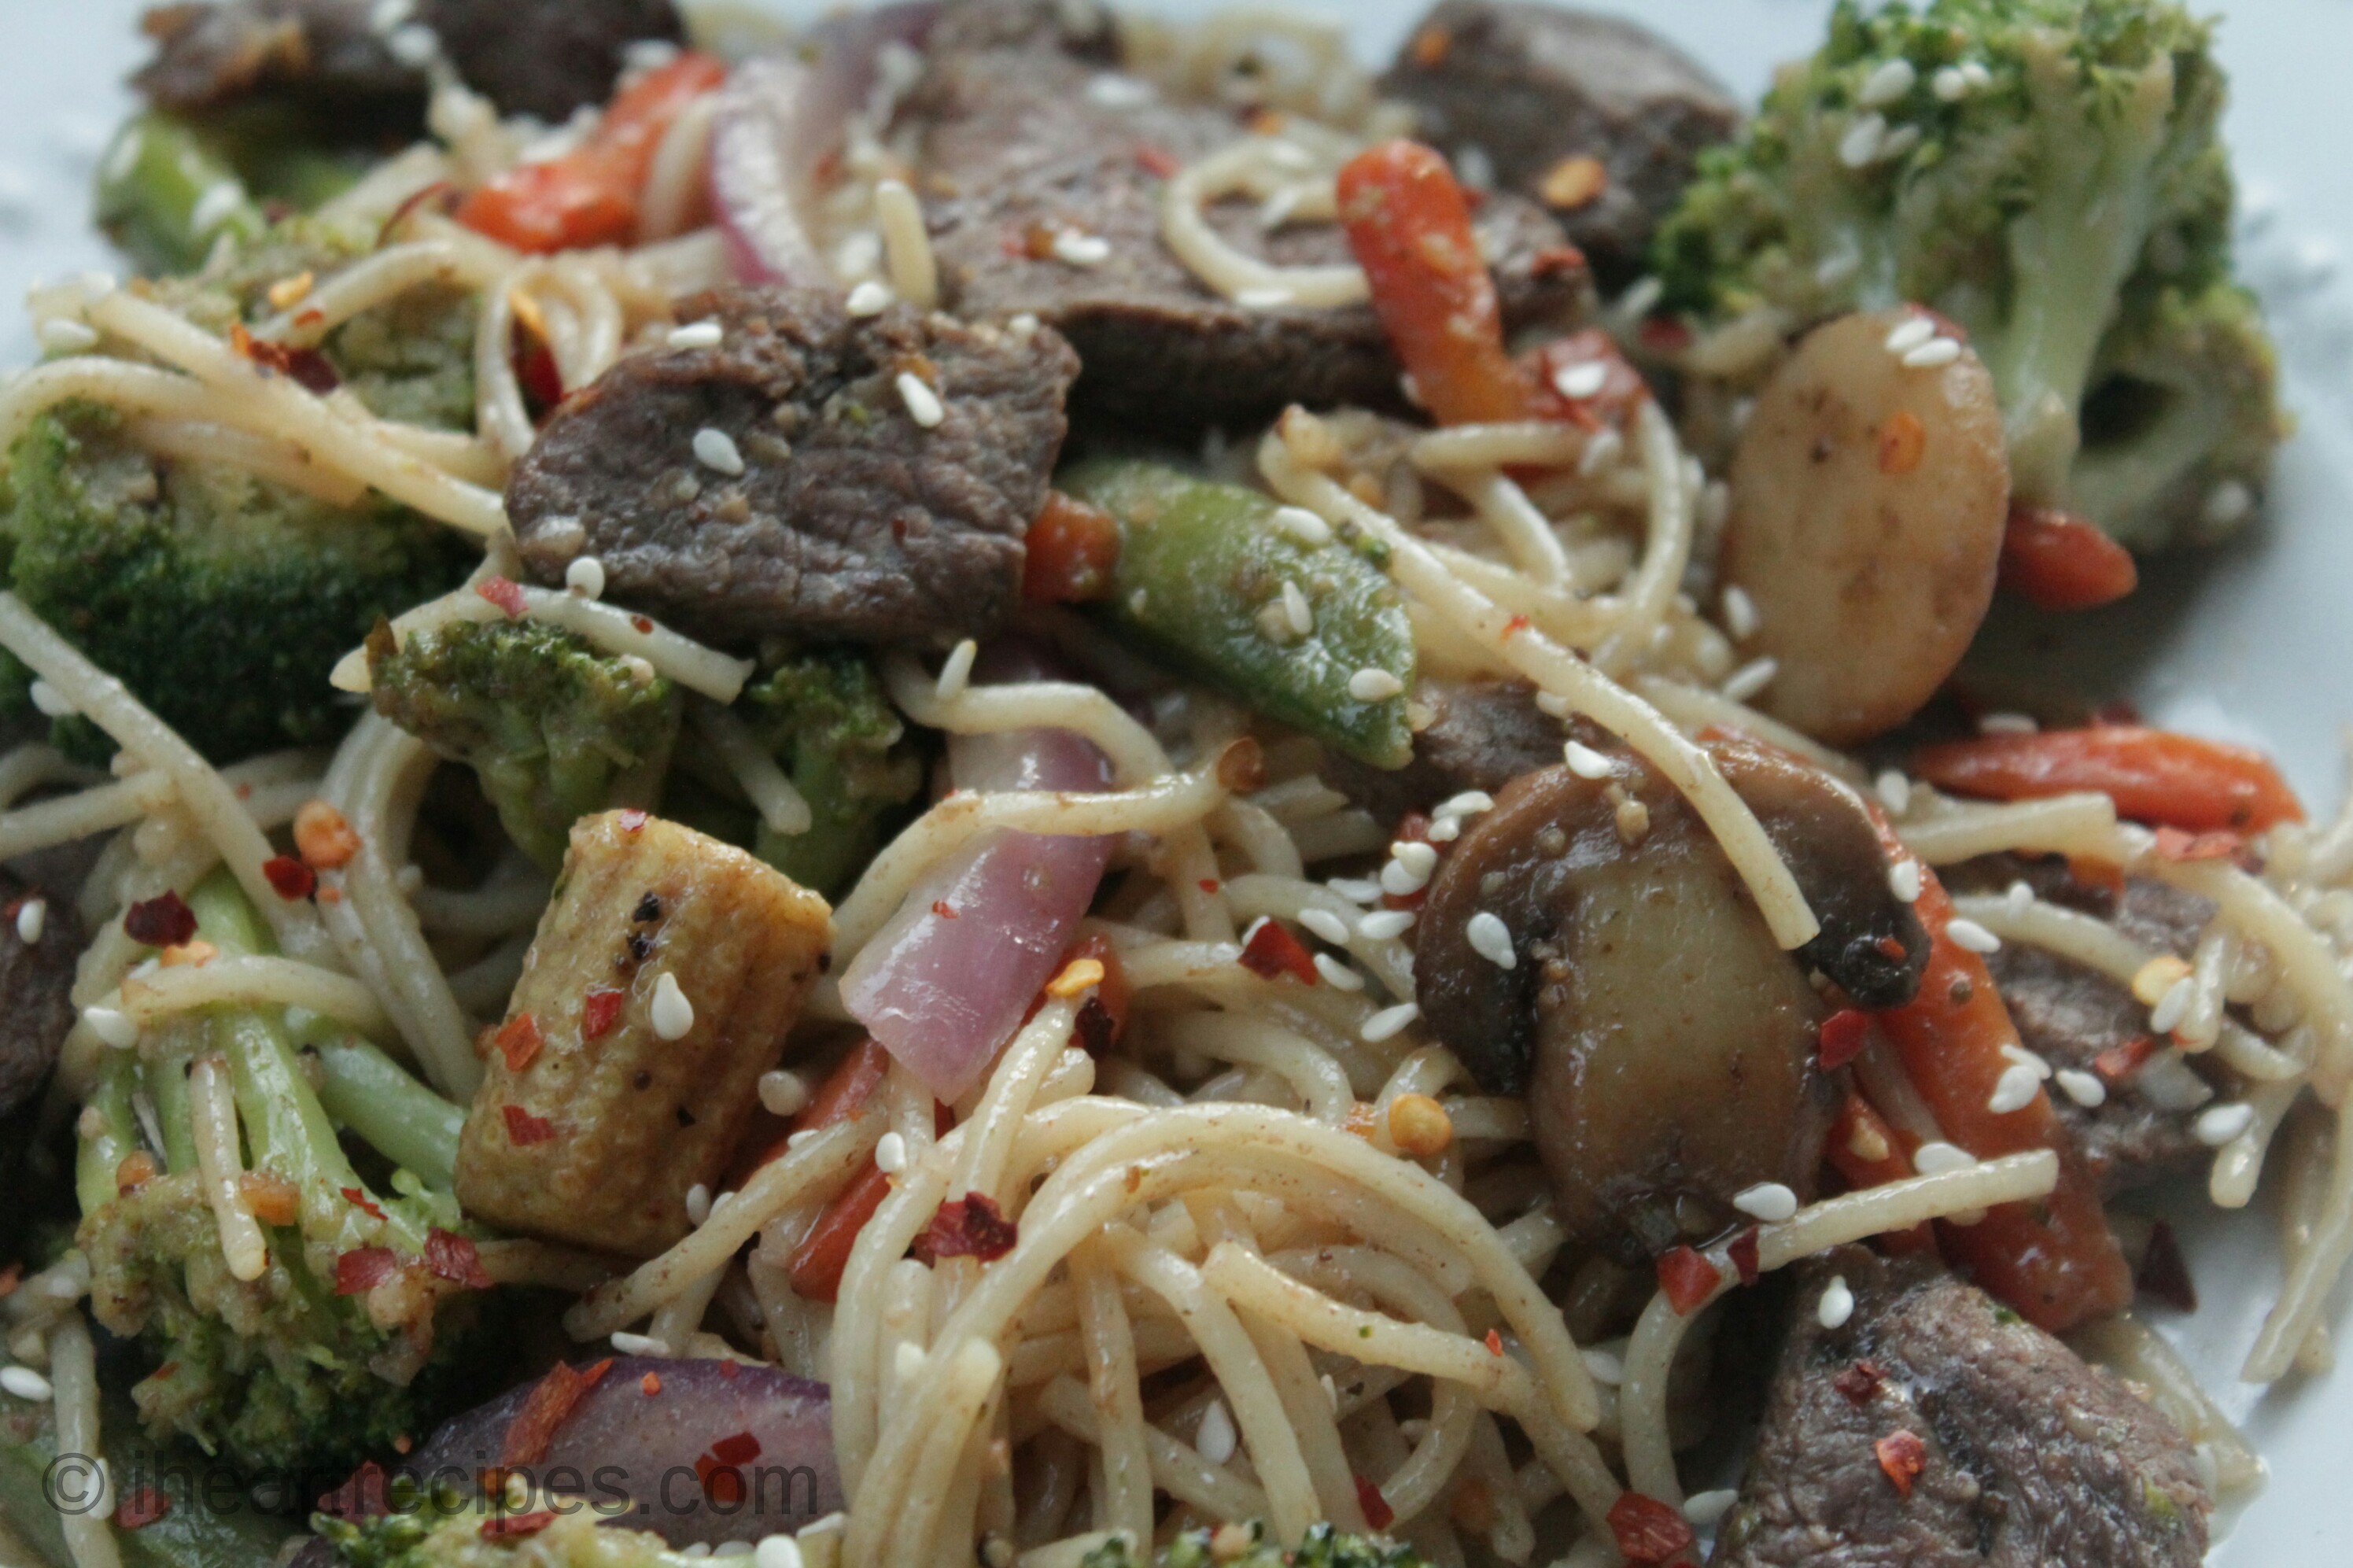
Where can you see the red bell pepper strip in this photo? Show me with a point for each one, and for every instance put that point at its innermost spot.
(2056, 560)
(2054, 1259)
(2153, 776)
(589, 196)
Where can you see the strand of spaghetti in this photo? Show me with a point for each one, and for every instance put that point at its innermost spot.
(1323, 1088)
(1258, 836)
(2313, 1267)
(1545, 442)
(829, 1158)
(1580, 623)
(254, 980)
(1312, 1418)
(1643, 602)
(2239, 1164)
(94, 378)
(374, 281)
(510, 900)
(108, 704)
(1135, 756)
(36, 764)
(674, 185)
(1695, 708)
(1161, 806)
(2130, 1349)
(1584, 688)
(213, 1123)
(676, 1320)
(2306, 1180)
(716, 675)
(279, 461)
(234, 380)
(1177, 1468)
(1257, 893)
(896, 1529)
(501, 418)
(2063, 824)
(1123, 1459)
(1525, 531)
(1245, 167)
(603, 327)
(781, 807)
(86, 1519)
(1013, 1085)
(1896, 1206)
(468, 457)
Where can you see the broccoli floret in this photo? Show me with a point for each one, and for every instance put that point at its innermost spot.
(2048, 174)
(554, 729)
(443, 1532)
(826, 718)
(351, 1335)
(221, 599)
(171, 186)
(1322, 1547)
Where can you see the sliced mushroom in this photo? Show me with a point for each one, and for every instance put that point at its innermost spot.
(1868, 501)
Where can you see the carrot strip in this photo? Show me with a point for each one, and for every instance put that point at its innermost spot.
(2153, 775)
(816, 1266)
(2056, 560)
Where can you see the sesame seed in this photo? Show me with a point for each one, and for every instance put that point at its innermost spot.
(1023, 326)
(1860, 146)
(1216, 1438)
(1401, 880)
(782, 1092)
(924, 405)
(414, 45)
(697, 1204)
(1389, 1023)
(630, 1344)
(794, 1139)
(1702, 1510)
(1949, 84)
(1552, 703)
(1585, 762)
(1302, 525)
(777, 1552)
(2218, 1125)
(2007, 724)
(585, 578)
(1469, 804)
(1768, 1201)
(715, 449)
(1076, 248)
(26, 1383)
(1492, 940)
(32, 919)
(697, 334)
(672, 1015)
(2016, 1089)
(2026, 1059)
(1972, 938)
(1409, 389)
(1886, 83)
(1904, 881)
(870, 298)
(1602, 451)
(1445, 830)
(112, 1026)
(1938, 1157)
(1325, 923)
(1910, 334)
(51, 702)
(1385, 924)
(1836, 1304)
(2226, 503)
(2018, 898)
(1418, 857)
(890, 1154)
(1933, 354)
(1894, 792)
(1371, 685)
(1739, 613)
(1750, 679)
(1583, 379)
(956, 673)
(1975, 73)
(1899, 141)
(1340, 975)
(1296, 611)
(907, 1360)
(2173, 1006)
(2154, 979)
(1355, 889)
(1115, 89)
(2085, 1089)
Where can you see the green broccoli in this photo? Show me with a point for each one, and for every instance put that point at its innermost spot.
(351, 1336)
(2046, 174)
(171, 186)
(824, 714)
(443, 1532)
(554, 729)
(1322, 1547)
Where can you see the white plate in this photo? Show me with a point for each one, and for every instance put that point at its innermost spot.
(2253, 642)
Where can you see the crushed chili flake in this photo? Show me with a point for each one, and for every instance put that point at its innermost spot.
(269, 1197)
(2118, 1063)
(1094, 1028)
(453, 1257)
(322, 836)
(291, 877)
(1432, 46)
(1514, 626)
(2174, 844)
(721, 1484)
(361, 1495)
(1859, 1382)
(1363, 1119)
(644, 623)
(1494, 1342)
(1743, 1253)
(357, 1197)
(10, 1277)
(1210, 884)
(649, 1384)
(511, 1526)
(518, 1041)
(944, 910)
(525, 1128)
(504, 592)
(1157, 162)
(1902, 442)
(737, 1449)
(441, 193)
(1647, 1530)
(632, 819)
(142, 1508)
(726, 1371)
(1903, 1455)
(2164, 1274)
(306, 367)
(1377, 1512)
(599, 1011)
(1271, 951)
(1688, 1278)
(163, 921)
(969, 1226)
(364, 1268)
(1841, 1039)
(1554, 258)
(544, 1410)
(1664, 334)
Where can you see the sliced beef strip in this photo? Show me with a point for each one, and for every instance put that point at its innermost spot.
(852, 521)
(1482, 736)
(2069, 1014)
(1014, 148)
(544, 57)
(2031, 1455)
(1530, 85)
(36, 983)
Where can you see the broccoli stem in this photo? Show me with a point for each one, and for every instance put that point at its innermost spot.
(165, 1079)
(96, 1157)
(367, 1091)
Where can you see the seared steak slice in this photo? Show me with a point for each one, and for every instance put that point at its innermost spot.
(2025, 1455)
(1531, 85)
(851, 519)
(35, 987)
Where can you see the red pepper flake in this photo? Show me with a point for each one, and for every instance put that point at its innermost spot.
(544, 1410)
(292, 879)
(163, 921)
(969, 1226)
(357, 1197)
(632, 819)
(1554, 258)
(943, 909)
(453, 1258)
(723, 1484)
(1903, 1455)
(1514, 626)
(600, 1010)
(361, 1495)
(737, 1449)
(1413, 828)
(10, 1277)
(511, 1527)
(1859, 1382)
(1377, 1512)
(2118, 1063)
(1096, 1029)
(165, 1371)
(1271, 951)
(364, 1268)
(1689, 1279)
(1664, 334)
(524, 1128)
(440, 193)
(727, 1368)
(142, 1508)
(644, 623)
(649, 1384)
(1841, 1038)
(306, 367)
(2174, 844)
(518, 1041)
(1157, 162)
(2164, 1274)
(1743, 1253)
(1210, 884)
(1494, 1342)
(1647, 1530)
(505, 593)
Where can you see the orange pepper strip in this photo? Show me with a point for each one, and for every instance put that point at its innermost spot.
(2055, 1259)
(2056, 560)
(816, 1266)
(589, 196)
(1409, 225)
(2153, 775)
